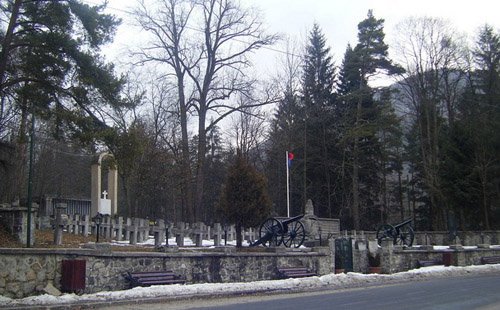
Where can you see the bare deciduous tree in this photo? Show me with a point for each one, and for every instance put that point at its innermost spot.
(205, 45)
(247, 133)
(432, 56)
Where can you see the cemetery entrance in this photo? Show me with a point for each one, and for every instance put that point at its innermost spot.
(343, 254)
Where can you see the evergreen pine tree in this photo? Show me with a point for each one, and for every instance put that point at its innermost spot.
(244, 200)
(361, 113)
(318, 85)
(51, 70)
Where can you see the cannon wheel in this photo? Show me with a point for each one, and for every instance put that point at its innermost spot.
(405, 236)
(275, 228)
(386, 231)
(295, 235)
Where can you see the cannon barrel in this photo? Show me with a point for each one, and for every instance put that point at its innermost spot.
(403, 224)
(292, 219)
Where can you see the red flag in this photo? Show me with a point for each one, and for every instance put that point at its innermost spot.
(290, 157)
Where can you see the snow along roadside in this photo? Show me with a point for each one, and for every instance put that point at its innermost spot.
(330, 281)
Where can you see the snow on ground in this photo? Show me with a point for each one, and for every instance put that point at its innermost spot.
(330, 281)
(188, 242)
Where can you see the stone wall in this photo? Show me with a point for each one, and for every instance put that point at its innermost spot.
(25, 272)
(466, 238)
(15, 219)
(397, 259)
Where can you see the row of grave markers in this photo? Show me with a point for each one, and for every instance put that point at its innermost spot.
(137, 230)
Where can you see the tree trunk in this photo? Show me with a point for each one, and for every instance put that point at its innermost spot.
(355, 167)
(400, 196)
(327, 174)
(304, 171)
(485, 199)
(239, 236)
(355, 186)
(200, 171)
(188, 207)
(18, 173)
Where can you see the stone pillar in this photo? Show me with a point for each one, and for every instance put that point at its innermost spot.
(159, 232)
(144, 230)
(231, 233)
(76, 224)
(106, 227)
(119, 228)
(85, 223)
(217, 234)
(134, 231)
(113, 190)
(95, 192)
(179, 234)
(198, 234)
(60, 210)
(128, 228)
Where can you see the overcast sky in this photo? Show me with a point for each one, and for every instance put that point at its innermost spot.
(339, 18)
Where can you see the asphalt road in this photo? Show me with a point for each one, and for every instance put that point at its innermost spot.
(468, 292)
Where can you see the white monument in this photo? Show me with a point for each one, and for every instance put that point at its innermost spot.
(103, 204)
(311, 223)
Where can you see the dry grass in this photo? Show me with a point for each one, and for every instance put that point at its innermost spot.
(7, 240)
(45, 239)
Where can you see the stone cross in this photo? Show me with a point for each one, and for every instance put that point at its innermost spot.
(60, 210)
(218, 232)
(105, 195)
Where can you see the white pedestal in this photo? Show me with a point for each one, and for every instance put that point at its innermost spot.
(105, 206)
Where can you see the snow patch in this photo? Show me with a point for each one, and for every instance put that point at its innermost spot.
(327, 281)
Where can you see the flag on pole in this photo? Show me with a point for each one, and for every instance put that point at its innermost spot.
(290, 157)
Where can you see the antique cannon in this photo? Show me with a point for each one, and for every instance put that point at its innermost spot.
(401, 234)
(290, 232)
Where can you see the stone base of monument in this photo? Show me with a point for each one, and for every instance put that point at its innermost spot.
(312, 243)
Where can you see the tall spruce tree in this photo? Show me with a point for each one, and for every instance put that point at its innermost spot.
(318, 85)
(487, 57)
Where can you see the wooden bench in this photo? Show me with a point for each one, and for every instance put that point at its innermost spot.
(149, 278)
(490, 260)
(427, 263)
(294, 272)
